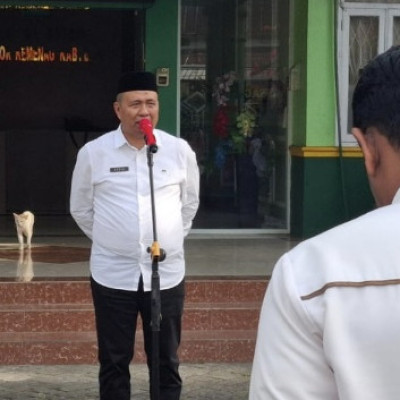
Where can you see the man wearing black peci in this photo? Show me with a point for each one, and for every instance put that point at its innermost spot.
(111, 203)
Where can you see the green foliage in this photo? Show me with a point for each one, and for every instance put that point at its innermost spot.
(238, 141)
(246, 122)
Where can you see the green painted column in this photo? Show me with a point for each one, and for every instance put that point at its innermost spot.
(321, 108)
(313, 99)
(161, 51)
(298, 72)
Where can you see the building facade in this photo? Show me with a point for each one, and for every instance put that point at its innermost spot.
(259, 88)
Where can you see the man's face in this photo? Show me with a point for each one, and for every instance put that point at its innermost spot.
(133, 106)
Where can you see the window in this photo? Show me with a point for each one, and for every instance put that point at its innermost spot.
(365, 31)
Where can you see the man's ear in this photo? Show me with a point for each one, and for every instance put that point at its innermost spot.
(368, 147)
(116, 107)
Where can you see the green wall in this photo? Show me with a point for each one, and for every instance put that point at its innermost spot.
(161, 50)
(325, 190)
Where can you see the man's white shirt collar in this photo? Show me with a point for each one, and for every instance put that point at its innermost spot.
(120, 139)
(396, 198)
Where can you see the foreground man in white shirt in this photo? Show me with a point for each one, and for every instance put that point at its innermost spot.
(110, 201)
(330, 323)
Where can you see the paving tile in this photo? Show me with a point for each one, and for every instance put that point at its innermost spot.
(216, 381)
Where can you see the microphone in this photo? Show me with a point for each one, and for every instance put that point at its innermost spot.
(147, 128)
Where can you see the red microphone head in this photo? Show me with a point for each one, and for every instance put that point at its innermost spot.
(146, 127)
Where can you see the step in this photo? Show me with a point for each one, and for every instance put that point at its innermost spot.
(52, 322)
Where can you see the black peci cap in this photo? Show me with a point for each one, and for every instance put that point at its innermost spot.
(137, 81)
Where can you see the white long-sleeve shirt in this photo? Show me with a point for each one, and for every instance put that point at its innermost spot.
(330, 323)
(110, 201)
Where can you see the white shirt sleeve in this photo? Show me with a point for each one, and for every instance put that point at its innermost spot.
(289, 362)
(190, 191)
(81, 199)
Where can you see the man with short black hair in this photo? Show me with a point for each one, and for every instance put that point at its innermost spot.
(330, 322)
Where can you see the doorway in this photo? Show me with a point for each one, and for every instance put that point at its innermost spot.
(59, 69)
(234, 89)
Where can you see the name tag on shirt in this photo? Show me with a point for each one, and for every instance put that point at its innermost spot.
(119, 169)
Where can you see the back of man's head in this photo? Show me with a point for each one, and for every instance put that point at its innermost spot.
(376, 99)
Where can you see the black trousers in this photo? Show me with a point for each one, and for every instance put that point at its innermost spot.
(116, 314)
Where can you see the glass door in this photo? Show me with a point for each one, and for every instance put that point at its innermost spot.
(234, 74)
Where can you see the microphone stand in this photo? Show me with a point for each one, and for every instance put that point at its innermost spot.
(157, 254)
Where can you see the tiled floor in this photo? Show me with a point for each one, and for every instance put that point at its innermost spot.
(202, 381)
(60, 250)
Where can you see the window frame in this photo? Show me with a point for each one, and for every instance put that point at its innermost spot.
(385, 12)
